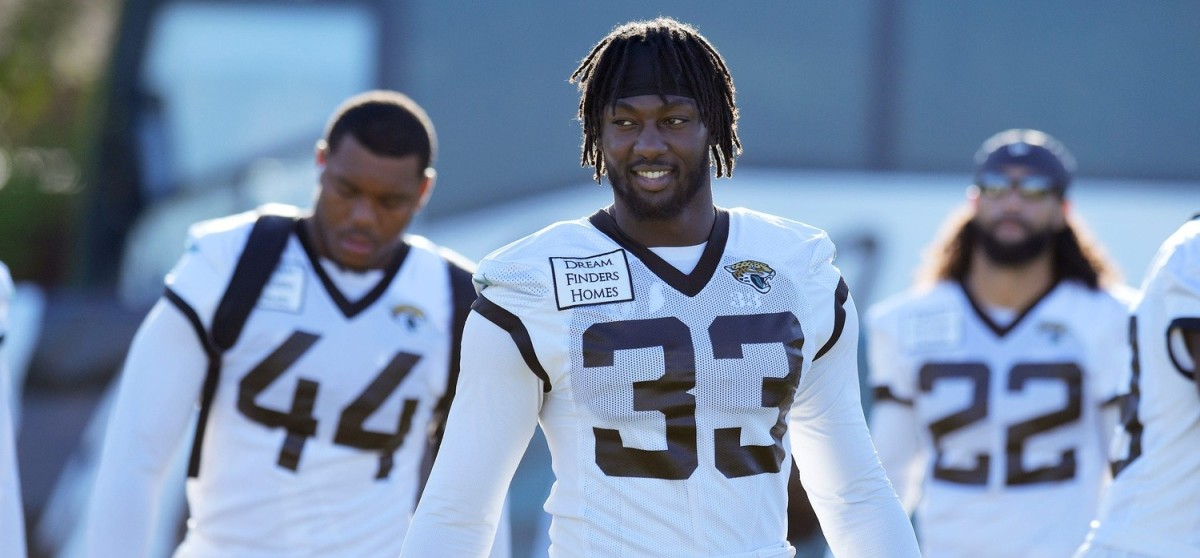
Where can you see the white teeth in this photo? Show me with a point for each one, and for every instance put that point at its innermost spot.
(652, 174)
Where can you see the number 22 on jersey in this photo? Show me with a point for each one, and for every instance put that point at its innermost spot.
(978, 375)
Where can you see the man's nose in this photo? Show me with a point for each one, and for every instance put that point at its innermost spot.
(362, 211)
(650, 142)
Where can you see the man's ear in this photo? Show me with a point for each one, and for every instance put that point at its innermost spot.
(321, 152)
(427, 183)
(972, 197)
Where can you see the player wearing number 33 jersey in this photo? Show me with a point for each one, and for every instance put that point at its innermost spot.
(677, 355)
(671, 401)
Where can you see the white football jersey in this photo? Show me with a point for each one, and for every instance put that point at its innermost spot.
(996, 435)
(672, 402)
(1153, 504)
(12, 524)
(318, 426)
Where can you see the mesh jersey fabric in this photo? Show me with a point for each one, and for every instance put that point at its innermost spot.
(672, 402)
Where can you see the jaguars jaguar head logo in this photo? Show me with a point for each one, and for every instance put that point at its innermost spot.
(755, 274)
(409, 315)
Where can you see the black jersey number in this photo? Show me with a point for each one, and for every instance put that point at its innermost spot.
(299, 422)
(670, 393)
(1131, 423)
(979, 376)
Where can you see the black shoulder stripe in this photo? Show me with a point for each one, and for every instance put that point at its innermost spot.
(884, 393)
(839, 316)
(462, 291)
(209, 389)
(512, 324)
(1111, 401)
(192, 317)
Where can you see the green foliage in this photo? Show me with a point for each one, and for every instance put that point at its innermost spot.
(49, 70)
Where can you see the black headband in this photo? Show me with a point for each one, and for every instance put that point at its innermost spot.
(644, 76)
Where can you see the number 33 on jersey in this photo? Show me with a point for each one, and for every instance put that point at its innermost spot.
(661, 384)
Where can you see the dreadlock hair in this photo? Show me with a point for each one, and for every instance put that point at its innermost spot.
(1076, 254)
(681, 54)
(387, 123)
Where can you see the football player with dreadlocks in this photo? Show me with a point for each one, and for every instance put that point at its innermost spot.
(677, 355)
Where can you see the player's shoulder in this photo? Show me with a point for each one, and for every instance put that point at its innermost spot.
(429, 249)
(524, 267)
(1175, 266)
(1190, 230)
(937, 297)
(769, 227)
(800, 244)
(1106, 300)
(1181, 250)
(231, 231)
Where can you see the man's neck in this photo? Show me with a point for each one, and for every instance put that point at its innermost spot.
(690, 228)
(1007, 286)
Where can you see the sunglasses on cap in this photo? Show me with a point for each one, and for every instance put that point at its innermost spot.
(1032, 187)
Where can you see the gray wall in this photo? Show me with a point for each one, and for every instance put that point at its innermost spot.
(862, 85)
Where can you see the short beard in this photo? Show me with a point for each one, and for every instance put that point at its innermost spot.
(692, 180)
(1013, 255)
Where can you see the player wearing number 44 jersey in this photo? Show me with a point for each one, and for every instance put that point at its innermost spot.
(992, 379)
(314, 407)
(678, 356)
(1152, 508)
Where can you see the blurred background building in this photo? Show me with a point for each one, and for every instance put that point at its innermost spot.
(121, 122)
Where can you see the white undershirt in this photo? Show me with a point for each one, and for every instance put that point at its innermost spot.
(353, 284)
(1001, 315)
(683, 258)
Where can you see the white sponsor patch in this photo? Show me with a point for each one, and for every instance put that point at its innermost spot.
(932, 331)
(285, 290)
(599, 279)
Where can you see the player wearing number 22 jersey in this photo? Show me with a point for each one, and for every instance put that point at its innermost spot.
(996, 432)
(994, 377)
(672, 400)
